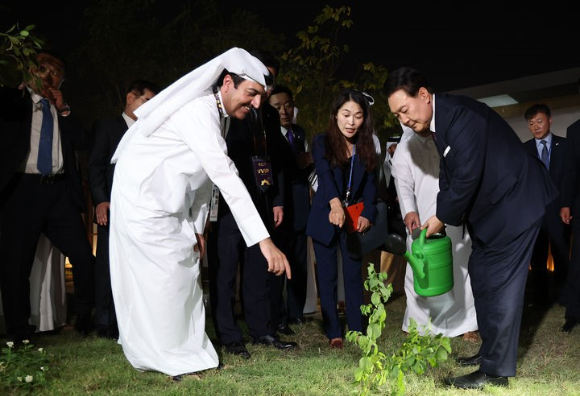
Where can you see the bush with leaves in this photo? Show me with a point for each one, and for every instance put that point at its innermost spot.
(23, 366)
(18, 50)
(417, 352)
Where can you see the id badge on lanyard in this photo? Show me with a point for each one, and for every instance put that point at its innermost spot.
(213, 205)
(262, 172)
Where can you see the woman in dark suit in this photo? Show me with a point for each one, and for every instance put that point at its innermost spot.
(345, 162)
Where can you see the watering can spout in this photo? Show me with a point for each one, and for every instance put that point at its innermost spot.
(417, 265)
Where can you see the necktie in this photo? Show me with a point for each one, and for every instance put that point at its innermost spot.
(290, 137)
(44, 163)
(545, 154)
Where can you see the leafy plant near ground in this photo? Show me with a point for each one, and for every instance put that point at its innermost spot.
(417, 351)
(23, 367)
(18, 50)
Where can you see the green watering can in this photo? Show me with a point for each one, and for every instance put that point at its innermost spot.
(431, 260)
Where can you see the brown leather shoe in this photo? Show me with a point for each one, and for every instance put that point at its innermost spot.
(470, 336)
(336, 343)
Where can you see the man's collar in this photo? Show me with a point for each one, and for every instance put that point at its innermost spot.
(432, 125)
(33, 95)
(547, 138)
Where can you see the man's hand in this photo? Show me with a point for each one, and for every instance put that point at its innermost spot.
(303, 160)
(277, 261)
(200, 246)
(56, 98)
(565, 215)
(363, 224)
(412, 221)
(278, 215)
(433, 225)
(102, 213)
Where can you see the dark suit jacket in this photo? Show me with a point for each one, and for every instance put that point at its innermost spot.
(15, 124)
(243, 143)
(571, 185)
(297, 186)
(106, 135)
(557, 165)
(487, 179)
(331, 185)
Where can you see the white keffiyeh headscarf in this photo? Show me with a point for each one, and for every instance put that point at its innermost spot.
(152, 114)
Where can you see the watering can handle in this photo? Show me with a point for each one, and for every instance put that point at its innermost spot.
(422, 237)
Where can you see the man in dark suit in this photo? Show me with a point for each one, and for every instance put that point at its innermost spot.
(291, 235)
(554, 234)
(489, 183)
(40, 191)
(253, 144)
(106, 135)
(570, 214)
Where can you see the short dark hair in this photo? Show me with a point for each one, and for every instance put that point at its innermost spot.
(266, 58)
(282, 89)
(53, 54)
(535, 109)
(407, 79)
(139, 86)
(220, 80)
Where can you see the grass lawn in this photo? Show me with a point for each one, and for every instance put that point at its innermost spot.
(549, 364)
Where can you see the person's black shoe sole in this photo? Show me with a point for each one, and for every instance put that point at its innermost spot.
(569, 325)
(475, 380)
(285, 329)
(238, 349)
(474, 360)
(269, 340)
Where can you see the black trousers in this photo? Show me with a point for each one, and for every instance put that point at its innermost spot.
(498, 280)
(104, 305)
(294, 245)
(27, 210)
(573, 284)
(227, 250)
(553, 235)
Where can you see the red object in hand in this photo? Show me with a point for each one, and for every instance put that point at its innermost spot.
(352, 214)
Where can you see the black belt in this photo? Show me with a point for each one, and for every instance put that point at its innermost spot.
(44, 179)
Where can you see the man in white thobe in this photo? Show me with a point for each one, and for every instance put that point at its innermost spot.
(165, 166)
(415, 168)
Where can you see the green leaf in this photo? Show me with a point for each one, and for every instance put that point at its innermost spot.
(442, 354)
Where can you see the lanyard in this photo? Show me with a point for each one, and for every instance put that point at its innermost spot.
(348, 187)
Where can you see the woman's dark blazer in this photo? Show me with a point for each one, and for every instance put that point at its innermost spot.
(330, 185)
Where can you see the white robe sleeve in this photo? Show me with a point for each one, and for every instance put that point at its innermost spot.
(404, 179)
(198, 124)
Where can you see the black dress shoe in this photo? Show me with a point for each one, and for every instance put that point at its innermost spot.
(474, 360)
(569, 325)
(285, 329)
(25, 333)
(111, 333)
(475, 380)
(83, 324)
(297, 321)
(270, 340)
(237, 348)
